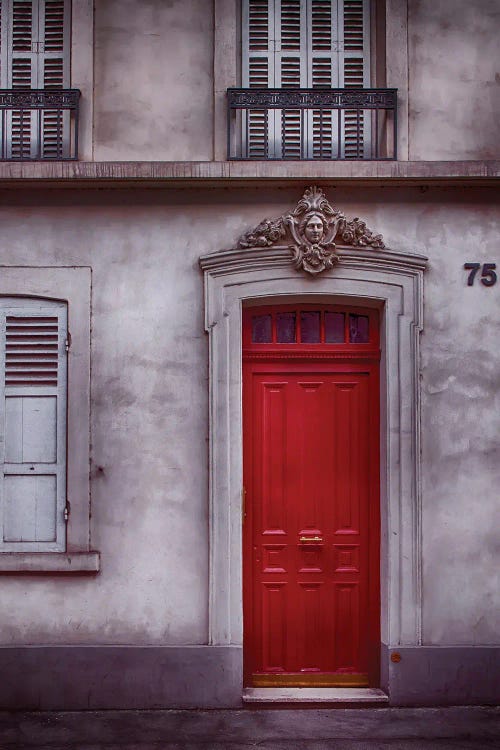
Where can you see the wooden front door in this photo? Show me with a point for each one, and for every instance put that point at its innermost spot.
(311, 486)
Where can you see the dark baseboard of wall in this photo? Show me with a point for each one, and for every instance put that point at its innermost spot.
(147, 677)
(441, 675)
(127, 677)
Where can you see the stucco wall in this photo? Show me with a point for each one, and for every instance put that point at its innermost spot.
(454, 80)
(153, 80)
(149, 396)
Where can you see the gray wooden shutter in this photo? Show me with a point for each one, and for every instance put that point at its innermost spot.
(305, 44)
(35, 55)
(33, 424)
(354, 72)
(258, 72)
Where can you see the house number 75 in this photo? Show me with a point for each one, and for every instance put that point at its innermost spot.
(488, 275)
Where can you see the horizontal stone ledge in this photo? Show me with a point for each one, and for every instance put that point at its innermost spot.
(49, 562)
(234, 173)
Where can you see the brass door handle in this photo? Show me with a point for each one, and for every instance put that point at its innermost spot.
(310, 538)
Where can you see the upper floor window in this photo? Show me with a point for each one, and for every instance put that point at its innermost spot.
(315, 56)
(306, 44)
(35, 58)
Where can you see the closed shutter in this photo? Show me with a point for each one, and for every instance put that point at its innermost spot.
(33, 424)
(35, 55)
(305, 44)
(354, 72)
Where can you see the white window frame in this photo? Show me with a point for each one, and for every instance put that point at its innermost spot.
(73, 286)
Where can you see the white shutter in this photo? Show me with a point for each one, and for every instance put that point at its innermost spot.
(33, 424)
(35, 55)
(290, 73)
(305, 44)
(354, 72)
(258, 72)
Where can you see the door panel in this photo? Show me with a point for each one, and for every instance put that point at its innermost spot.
(311, 531)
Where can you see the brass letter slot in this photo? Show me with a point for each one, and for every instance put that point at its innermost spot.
(310, 538)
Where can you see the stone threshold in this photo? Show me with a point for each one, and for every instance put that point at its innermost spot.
(314, 695)
(189, 174)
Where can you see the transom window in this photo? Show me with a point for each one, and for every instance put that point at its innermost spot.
(296, 326)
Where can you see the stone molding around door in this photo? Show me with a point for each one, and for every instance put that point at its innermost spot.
(390, 281)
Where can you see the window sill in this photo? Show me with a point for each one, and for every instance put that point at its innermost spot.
(50, 562)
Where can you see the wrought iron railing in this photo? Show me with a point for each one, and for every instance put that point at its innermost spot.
(39, 124)
(325, 124)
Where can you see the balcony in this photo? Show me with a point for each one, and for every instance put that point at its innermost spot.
(307, 124)
(39, 124)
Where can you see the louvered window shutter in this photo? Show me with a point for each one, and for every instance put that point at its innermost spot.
(354, 72)
(35, 55)
(33, 425)
(305, 44)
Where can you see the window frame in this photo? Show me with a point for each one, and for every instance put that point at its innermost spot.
(71, 285)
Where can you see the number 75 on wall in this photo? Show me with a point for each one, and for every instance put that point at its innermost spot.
(488, 275)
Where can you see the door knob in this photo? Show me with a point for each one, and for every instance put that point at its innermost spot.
(310, 538)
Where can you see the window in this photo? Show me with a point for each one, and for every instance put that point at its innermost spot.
(33, 424)
(34, 54)
(44, 420)
(306, 44)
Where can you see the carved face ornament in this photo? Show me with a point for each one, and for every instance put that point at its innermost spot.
(314, 229)
(313, 226)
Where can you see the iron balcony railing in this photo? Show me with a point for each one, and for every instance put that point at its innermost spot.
(326, 124)
(39, 124)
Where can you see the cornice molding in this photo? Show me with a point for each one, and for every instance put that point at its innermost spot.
(217, 174)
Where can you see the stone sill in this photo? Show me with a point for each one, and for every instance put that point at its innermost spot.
(50, 562)
(314, 695)
(243, 173)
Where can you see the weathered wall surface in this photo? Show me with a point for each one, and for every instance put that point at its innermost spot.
(153, 80)
(149, 395)
(454, 80)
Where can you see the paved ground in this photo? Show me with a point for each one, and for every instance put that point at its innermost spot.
(456, 728)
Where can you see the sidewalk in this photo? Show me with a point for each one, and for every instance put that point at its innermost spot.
(455, 728)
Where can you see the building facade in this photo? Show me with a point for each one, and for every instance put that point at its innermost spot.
(249, 311)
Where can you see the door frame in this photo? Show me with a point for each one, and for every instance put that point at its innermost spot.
(390, 281)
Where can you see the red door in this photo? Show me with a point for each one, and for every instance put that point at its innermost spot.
(311, 527)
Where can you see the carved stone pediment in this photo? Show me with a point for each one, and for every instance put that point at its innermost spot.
(312, 231)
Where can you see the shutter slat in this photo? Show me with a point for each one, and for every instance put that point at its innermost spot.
(291, 134)
(290, 73)
(22, 25)
(290, 24)
(54, 26)
(321, 25)
(353, 24)
(258, 74)
(33, 340)
(258, 24)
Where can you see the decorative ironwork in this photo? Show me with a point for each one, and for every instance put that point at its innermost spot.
(348, 123)
(312, 229)
(309, 98)
(39, 124)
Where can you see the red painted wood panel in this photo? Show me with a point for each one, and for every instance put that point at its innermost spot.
(311, 470)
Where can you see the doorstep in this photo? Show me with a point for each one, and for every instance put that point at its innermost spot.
(314, 695)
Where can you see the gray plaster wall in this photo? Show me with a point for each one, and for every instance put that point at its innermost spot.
(153, 80)
(149, 475)
(454, 80)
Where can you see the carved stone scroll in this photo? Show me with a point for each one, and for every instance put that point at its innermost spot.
(312, 230)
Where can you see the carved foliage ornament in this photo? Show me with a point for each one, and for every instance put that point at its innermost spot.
(313, 226)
